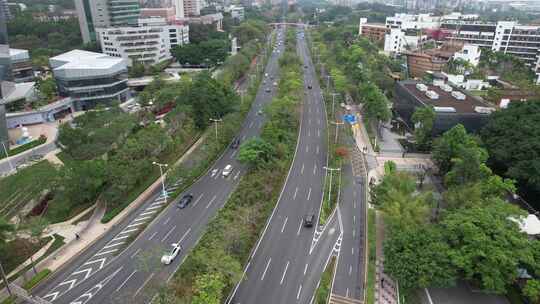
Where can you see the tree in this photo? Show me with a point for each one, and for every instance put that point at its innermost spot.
(375, 103)
(423, 119)
(47, 88)
(35, 227)
(469, 166)
(339, 80)
(256, 152)
(418, 257)
(532, 290)
(448, 146)
(512, 139)
(485, 245)
(137, 70)
(208, 289)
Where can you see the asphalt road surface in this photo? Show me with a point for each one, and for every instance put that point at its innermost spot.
(289, 259)
(109, 273)
(350, 272)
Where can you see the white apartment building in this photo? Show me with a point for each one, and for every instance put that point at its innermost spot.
(149, 43)
(192, 7)
(470, 53)
(398, 40)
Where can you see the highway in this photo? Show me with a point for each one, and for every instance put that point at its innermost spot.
(287, 262)
(109, 272)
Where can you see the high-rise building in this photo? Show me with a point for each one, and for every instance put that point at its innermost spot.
(192, 7)
(105, 13)
(5, 77)
(179, 8)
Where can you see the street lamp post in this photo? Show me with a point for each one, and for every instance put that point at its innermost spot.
(328, 81)
(7, 156)
(331, 170)
(215, 121)
(241, 96)
(162, 177)
(333, 103)
(337, 129)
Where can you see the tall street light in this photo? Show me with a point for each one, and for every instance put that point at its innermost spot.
(162, 177)
(333, 103)
(215, 121)
(337, 129)
(330, 170)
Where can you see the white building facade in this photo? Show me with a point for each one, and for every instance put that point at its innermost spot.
(149, 43)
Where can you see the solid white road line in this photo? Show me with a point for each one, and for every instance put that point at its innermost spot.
(136, 224)
(129, 231)
(284, 223)
(309, 194)
(135, 253)
(284, 273)
(147, 213)
(166, 221)
(305, 269)
(125, 281)
(168, 233)
(106, 252)
(195, 204)
(314, 169)
(113, 245)
(299, 228)
(347, 293)
(295, 192)
(299, 290)
(266, 268)
(145, 282)
(302, 170)
(152, 236)
(211, 201)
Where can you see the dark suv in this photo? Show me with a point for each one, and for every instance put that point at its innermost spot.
(185, 200)
(308, 220)
(236, 143)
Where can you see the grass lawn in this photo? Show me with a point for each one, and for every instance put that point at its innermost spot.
(24, 147)
(323, 291)
(372, 253)
(27, 184)
(18, 251)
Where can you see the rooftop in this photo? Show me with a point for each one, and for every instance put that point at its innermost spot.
(445, 101)
(81, 63)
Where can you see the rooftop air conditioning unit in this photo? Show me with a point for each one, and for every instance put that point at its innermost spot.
(446, 88)
(432, 95)
(484, 110)
(421, 87)
(458, 95)
(444, 109)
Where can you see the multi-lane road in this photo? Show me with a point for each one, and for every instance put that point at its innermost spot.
(110, 272)
(286, 265)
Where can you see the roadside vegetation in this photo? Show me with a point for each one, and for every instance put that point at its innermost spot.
(469, 235)
(215, 265)
(322, 294)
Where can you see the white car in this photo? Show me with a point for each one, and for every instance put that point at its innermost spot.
(167, 258)
(227, 170)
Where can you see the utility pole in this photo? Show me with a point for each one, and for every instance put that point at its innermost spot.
(7, 156)
(337, 128)
(162, 177)
(333, 103)
(328, 81)
(331, 170)
(215, 121)
(4, 278)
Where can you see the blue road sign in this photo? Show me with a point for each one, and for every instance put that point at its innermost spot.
(349, 118)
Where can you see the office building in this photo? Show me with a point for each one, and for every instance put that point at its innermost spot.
(21, 65)
(179, 9)
(452, 105)
(375, 32)
(95, 14)
(191, 7)
(149, 43)
(90, 78)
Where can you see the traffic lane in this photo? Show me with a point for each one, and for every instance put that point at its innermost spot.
(349, 272)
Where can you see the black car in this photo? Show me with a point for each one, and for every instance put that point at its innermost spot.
(185, 200)
(235, 144)
(309, 86)
(308, 220)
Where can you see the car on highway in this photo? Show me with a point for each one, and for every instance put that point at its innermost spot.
(168, 257)
(235, 144)
(305, 67)
(308, 220)
(214, 172)
(267, 90)
(185, 200)
(275, 83)
(309, 87)
(260, 112)
(227, 170)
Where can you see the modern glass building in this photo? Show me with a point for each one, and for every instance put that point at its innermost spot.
(105, 13)
(90, 78)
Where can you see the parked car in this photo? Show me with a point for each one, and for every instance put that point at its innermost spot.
(168, 257)
(308, 220)
(185, 200)
(227, 170)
